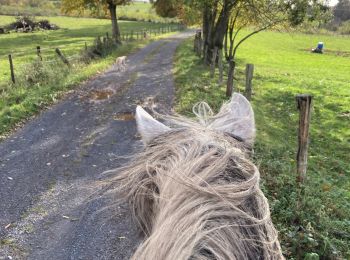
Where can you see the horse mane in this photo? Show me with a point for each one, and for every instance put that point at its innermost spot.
(195, 194)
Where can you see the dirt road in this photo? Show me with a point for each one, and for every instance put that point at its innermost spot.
(50, 170)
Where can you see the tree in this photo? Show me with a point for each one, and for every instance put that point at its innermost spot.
(223, 20)
(95, 6)
(342, 10)
(258, 15)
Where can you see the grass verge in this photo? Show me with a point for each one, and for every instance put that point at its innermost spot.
(319, 228)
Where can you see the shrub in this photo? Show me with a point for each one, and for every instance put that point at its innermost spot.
(344, 28)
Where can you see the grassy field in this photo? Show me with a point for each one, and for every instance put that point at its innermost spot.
(39, 84)
(284, 67)
(70, 38)
(134, 11)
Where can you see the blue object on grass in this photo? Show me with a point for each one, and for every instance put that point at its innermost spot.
(320, 46)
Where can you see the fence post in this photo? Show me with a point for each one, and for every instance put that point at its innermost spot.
(205, 53)
(132, 35)
(304, 107)
(59, 53)
(213, 61)
(221, 67)
(200, 46)
(107, 35)
(230, 77)
(105, 42)
(12, 70)
(86, 46)
(249, 70)
(38, 52)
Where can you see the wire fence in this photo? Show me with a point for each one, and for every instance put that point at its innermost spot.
(54, 54)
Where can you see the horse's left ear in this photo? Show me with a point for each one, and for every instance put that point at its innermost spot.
(148, 127)
(236, 117)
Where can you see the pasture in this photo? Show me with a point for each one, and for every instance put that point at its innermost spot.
(70, 38)
(313, 220)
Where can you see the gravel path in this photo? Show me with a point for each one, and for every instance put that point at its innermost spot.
(50, 170)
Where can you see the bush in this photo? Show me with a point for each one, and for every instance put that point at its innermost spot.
(28, 23)
(41, 73)
(344, 28)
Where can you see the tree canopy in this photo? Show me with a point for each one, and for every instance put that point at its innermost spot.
(342, 10)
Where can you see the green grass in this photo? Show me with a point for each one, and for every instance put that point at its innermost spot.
(283, 68)
(70, 38)
(38, 84)
(141, 12)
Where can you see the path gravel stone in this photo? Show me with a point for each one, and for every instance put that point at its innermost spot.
(50, 171)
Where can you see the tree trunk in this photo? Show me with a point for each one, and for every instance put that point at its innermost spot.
(115, 28)
(205, 27)
(221, 67)
(230, 77)
(218, 31)
(213, 62)
(225, 45)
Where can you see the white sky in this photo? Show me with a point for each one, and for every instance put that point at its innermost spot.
(333, 2)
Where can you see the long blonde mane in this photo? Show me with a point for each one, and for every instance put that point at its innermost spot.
(195, 194)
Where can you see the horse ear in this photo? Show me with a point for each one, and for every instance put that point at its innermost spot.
(148, 127)
(236, 117)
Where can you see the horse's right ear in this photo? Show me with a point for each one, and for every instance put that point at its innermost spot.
(148, 127)
(236, 117)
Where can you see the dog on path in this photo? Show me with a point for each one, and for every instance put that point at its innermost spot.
(121, 63)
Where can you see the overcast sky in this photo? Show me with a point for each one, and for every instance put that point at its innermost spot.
(333, 2)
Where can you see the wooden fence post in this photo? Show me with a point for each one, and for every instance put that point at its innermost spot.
(230, 77)
(59, 53)
(213, 61)
(304, 107)
(249, 71)
(98, 43)
(107, 35)
(86, 46)
(200, 46)
(12, 70)
(195, 45)
(221, 67)
(205, 53)
(104, 42)
(38, 52)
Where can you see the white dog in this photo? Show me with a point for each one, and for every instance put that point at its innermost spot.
(121, 63)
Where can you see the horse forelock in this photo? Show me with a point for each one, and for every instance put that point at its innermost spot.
(195, 194)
